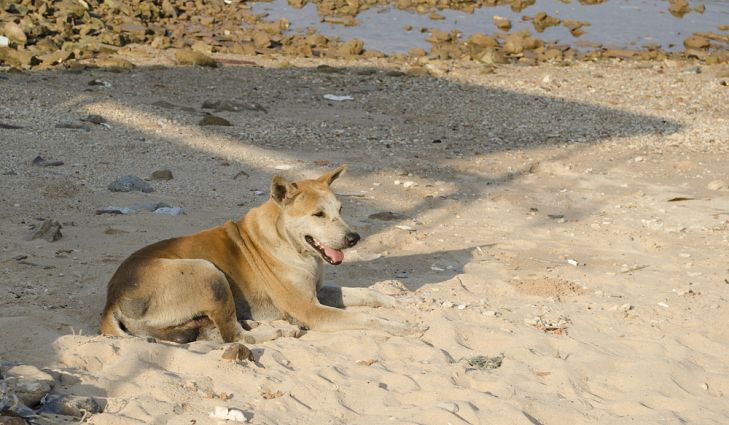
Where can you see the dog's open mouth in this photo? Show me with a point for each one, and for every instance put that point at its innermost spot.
(331, 255)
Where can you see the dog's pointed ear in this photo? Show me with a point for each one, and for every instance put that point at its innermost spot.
(329, 177)
(283, 191)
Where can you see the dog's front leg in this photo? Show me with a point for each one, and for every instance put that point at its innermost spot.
(324, 318)
(336, 296)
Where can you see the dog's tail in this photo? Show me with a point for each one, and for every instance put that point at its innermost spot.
(110, 325)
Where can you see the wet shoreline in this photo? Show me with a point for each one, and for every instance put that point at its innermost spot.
(113, 34)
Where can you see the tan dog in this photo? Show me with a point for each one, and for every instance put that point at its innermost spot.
(267, 266)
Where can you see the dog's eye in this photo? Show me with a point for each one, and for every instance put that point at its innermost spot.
(318, 214)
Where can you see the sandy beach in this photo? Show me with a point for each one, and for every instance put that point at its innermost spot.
(561, 230)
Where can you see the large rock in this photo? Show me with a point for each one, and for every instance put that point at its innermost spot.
(696, 42)
(190, 57)
(29, 383)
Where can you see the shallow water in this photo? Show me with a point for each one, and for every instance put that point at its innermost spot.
(615, 23)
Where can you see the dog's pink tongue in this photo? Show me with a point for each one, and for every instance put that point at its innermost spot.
(336, 255)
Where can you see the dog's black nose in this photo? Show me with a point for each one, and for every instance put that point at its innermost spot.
(352, 239)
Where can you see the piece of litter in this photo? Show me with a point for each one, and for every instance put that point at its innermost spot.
(235, 415)
(664, 305)
(4, 41)
(404, 227)
(115, 210)
(336, 98)
(572, 262)
(436, 268)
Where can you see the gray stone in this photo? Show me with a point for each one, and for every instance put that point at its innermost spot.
(130, 184)
(69, 405)
(29, 383)
(214, 120)
(50, 230)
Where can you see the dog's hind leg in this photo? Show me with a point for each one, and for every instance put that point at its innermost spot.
(177, 291)
(336, 296)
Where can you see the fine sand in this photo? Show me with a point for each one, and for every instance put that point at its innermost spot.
(571, 222)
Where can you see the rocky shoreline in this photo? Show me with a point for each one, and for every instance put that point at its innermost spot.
(67, 33)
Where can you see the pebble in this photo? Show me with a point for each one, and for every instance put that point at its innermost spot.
(716, 185)
(237, 352)
(662, 304)
(100, 83)
(408, 184)
(130, 183)
(447, 304)
(174, 211)
(40, 162)
(336, 98)
(489, 313)
(4, 41)
(626, 307)
(95, 119)
(50, 230)
(162, 175)
(214, 120)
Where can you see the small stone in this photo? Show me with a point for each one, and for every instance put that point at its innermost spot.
(129, 184)
(69, 405)
(447, 304)
(174, 211)
(502, 23)
(190, 57)
(237, 352)
(162, 175)
(95, 119)
(102, 83)
(409, 184)
(50, 230)
(213, 120)
(716, 185)
(678, 8)
(625, 307)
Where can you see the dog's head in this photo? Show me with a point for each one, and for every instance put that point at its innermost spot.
(312, 216)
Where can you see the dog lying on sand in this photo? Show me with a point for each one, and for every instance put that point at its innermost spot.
(267, 266)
